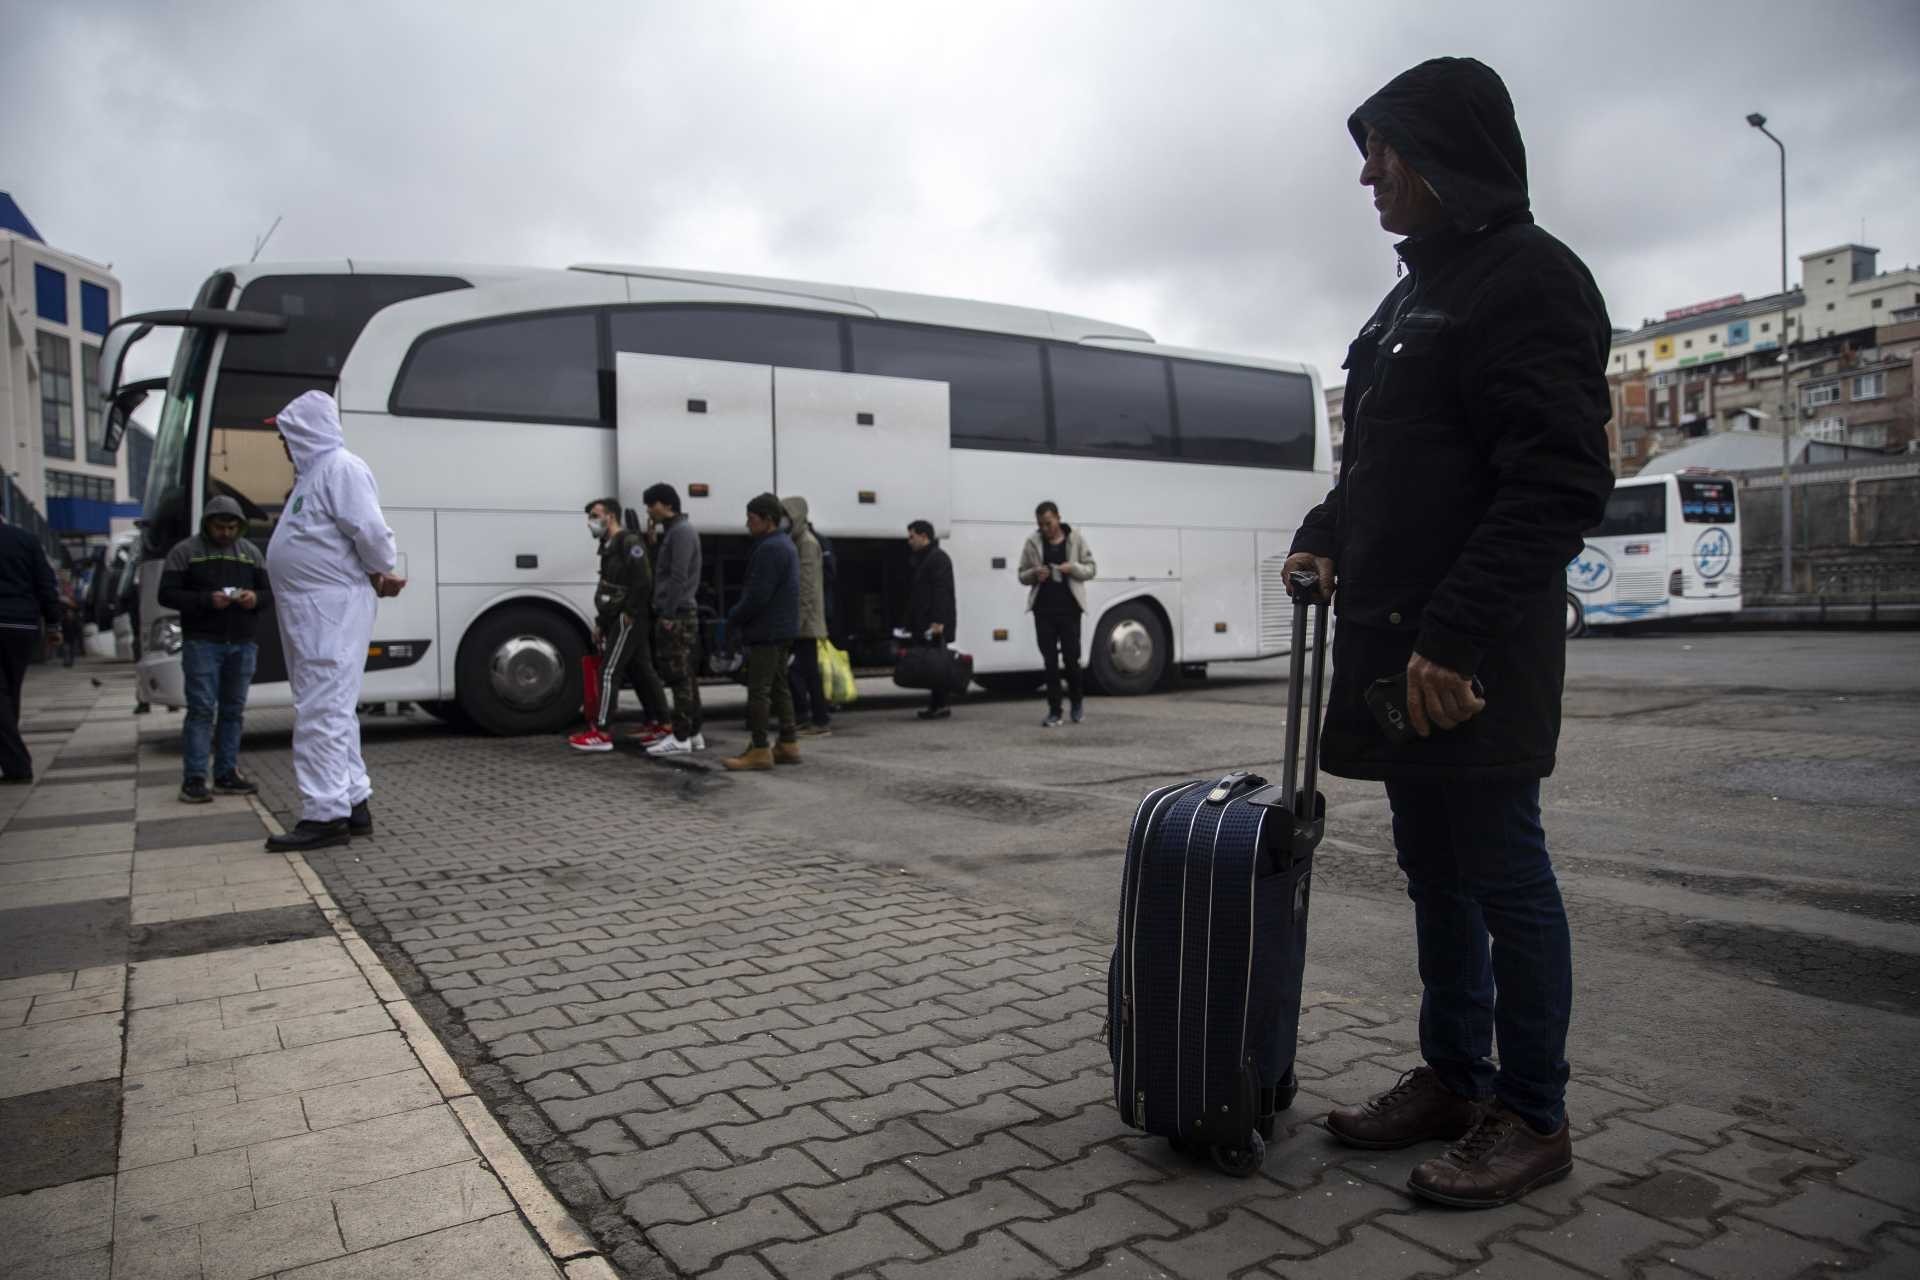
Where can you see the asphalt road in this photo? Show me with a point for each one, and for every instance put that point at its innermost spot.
(1734, 818)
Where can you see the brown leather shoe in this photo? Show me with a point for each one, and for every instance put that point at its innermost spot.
(1498, 1162)
(786, 753)
(751, 758)
(1417, 1109)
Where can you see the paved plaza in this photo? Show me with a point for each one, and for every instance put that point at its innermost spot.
(846, 1019)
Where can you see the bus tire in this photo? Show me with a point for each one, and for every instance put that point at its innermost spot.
(1130, 651)
(1576, 617)
(519, 671)
(1011, 684)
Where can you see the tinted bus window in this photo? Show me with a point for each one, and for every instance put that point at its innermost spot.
(1706, 501)
(1250, 417)
(539, 368)
(1640, 508)
(325, 315)
(792, 340)
(1110, 402)
(997, 396)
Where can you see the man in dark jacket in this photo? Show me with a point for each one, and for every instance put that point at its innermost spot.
(623, 622)
(676, 618)
(29, 604)
(931, 616)
(217, 580)
(1475, 458)
(764, 622)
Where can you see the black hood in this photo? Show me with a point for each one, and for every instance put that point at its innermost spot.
(1451, 119)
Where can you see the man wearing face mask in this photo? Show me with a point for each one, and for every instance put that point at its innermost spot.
(332, 559)
(1475, 459)
(623, 612)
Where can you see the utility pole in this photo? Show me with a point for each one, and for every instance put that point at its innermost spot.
(1759, 122)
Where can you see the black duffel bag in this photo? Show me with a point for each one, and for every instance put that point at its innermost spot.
(933, 667)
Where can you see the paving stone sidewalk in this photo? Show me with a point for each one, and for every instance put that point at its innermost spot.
(200, 1077)
(771, 1061)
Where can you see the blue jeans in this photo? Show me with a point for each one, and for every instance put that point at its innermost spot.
(1496, 958)
(218, 676)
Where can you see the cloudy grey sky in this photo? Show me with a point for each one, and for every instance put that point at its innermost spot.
(1181, 167)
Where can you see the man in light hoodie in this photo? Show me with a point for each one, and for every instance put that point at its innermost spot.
(332, 559)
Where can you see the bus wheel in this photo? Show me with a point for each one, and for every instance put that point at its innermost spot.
(1129, 654)
(519, 672)
(1576, 617)
(1011, 684)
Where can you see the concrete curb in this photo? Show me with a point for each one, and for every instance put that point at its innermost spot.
(572, 1249)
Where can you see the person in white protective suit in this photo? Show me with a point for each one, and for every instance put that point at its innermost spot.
(331, 559)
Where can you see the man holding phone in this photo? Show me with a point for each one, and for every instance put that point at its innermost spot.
(1475, 458)
(217, 581)
(1056, 564)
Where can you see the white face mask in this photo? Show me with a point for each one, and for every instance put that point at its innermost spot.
(598, 526)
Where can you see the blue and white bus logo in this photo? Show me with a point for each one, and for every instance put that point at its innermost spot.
(1712, 553)
(1591, 570)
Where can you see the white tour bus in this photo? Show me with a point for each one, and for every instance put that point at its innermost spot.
(1668, 547)
(493, 403)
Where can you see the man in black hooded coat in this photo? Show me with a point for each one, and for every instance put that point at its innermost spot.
(1475, 459)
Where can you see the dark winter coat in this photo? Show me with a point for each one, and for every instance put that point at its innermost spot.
(930, 599)
(768, 611)
(197, 567)
(1475, 453)
(29, 593)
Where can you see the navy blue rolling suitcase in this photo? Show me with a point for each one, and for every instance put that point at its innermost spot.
(1203, 996)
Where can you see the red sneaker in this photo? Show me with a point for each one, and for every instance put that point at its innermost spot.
(648, 734)
(590, 740)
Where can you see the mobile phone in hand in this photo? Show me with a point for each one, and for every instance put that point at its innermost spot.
(1386, 698)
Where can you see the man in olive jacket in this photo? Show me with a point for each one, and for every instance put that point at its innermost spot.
(1475, 459)
(807, 683)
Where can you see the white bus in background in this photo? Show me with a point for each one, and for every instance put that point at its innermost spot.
(493, 403)
(1668, 547)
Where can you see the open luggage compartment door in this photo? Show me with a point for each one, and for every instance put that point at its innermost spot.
(868, 453)
(703, 426)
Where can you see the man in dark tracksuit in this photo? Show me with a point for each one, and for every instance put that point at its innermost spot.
(29, 604)
(217, 581)
(764, 620)
(1475, 459)
(931, 616)
(676, 637)
(623, 619)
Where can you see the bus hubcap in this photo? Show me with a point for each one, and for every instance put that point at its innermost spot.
(1573, 617)
(1131, 647)
(527, 671)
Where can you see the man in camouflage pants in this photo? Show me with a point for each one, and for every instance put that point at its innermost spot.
(676, 641)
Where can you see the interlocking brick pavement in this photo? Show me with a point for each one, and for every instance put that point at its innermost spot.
(778, 1061)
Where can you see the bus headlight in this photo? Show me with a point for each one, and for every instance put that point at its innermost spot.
(164, 636)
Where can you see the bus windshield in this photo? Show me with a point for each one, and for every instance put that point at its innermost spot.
(170, 476)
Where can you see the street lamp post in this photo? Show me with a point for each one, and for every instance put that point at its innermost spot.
(1759, 122)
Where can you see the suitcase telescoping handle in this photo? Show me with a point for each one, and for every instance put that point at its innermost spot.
(1304, 587)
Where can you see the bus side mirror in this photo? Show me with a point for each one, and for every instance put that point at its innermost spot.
(120, 410)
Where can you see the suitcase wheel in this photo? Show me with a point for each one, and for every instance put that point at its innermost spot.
(1241, 1162)
(1289, 1088)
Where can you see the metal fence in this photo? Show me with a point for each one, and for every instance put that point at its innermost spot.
(1837, 577)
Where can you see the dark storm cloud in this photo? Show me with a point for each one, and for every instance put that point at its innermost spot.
(1184, 168)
